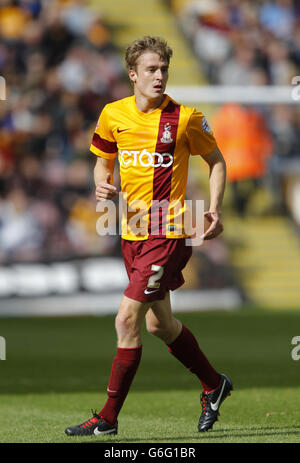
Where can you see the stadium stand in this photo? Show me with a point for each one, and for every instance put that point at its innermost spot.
(62, 63)
(250, 43)
(60, 68)
(152, 18)
(255, 43)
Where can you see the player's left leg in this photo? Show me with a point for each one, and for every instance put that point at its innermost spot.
(160, 321)
(181, 342)
(184, 346)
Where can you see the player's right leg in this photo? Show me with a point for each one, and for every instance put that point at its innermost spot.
(129, 320)
(128, 324)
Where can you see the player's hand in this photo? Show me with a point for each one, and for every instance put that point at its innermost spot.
(215, 227)
(105, 191)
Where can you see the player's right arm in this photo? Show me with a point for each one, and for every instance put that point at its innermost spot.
(103, 175)
(105, 147)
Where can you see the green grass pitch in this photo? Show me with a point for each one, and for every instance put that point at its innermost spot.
(56, 370)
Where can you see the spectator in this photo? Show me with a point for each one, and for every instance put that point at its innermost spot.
(246, 145)
(278, 17)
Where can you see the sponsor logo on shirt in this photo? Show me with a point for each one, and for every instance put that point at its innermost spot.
(145, 159)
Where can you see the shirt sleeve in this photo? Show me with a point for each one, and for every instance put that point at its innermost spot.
(103, 142)
(199, 134)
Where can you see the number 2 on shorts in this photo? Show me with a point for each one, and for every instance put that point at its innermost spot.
(153, 280)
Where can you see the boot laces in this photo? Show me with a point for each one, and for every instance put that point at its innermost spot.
(203, 400)
(91, 421)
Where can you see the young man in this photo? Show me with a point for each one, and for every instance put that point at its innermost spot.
(154, 137)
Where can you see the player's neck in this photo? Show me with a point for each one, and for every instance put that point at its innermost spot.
(146, 105)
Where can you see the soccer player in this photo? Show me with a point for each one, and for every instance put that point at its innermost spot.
(153, 137)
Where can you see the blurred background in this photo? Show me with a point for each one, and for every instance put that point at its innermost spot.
(62, 61)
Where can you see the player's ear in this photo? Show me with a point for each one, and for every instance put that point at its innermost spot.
(132, 75)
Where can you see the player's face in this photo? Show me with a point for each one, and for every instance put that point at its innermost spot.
(150, 76)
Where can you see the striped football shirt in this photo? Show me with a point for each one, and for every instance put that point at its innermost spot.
(153, 151)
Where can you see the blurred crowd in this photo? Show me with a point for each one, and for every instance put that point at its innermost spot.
(60, 69)
(242, 42)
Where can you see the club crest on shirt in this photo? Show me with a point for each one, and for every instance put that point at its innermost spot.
(167, 136)
(205, 125)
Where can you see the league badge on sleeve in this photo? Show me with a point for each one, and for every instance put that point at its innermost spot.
(167, 136)
(205, 125)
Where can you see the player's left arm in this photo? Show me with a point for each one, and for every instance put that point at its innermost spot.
(217, 182)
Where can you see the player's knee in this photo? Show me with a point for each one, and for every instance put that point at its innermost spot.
(153, 329)
(126, 323)
(167, 332)
(158, 329)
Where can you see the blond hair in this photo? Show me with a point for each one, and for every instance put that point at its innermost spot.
(147, 43)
